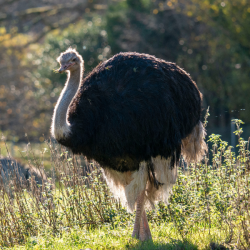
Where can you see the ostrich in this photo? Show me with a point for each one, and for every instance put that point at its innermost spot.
(135, 115)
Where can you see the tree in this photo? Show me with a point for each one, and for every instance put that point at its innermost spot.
(26, 96)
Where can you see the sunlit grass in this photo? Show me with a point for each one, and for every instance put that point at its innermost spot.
(27, 152)
(164, 237)
(74, 209)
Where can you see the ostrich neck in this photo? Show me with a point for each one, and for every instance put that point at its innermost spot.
(60, 124)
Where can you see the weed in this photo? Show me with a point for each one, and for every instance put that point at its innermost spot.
(209, 206)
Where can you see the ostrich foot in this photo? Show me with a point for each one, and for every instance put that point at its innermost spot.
(141, 228)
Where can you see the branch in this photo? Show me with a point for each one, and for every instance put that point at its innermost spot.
(37, 15)
(52, 8)
(48, 29)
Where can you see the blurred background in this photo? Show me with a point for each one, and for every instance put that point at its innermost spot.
(208, 38)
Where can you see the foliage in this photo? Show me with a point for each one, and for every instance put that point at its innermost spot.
(227, 57)
(209, 204)
(209, 39)
(21, 17)
(88, 37)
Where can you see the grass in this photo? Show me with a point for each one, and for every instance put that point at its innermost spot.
(26, 153)
(119, 238)
(74, 209)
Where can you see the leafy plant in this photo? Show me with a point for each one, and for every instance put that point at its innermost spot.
(209, 200)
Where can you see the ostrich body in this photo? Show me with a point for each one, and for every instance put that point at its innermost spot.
(135, 115)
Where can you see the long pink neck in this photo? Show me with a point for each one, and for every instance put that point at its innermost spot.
(60, 128)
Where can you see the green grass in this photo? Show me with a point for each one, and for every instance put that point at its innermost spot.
(27, 152)
(164, 237)
(74, 209)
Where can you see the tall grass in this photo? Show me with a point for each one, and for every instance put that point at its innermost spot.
(209, 199)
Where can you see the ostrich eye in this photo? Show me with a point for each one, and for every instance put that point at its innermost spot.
(74, 60)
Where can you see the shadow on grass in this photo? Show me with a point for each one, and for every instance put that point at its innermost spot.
(174, 245)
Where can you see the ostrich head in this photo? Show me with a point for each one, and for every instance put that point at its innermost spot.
(70, 60)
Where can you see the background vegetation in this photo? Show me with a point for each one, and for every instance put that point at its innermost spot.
(209, 207)
(209, 39)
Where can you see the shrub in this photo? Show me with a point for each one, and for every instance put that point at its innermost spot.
(208, 199)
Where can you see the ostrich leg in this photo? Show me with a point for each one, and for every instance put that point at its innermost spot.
(141, 228)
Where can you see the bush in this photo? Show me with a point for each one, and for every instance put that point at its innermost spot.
(208, 199)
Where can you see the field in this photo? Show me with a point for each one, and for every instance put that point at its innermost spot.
(73, 209)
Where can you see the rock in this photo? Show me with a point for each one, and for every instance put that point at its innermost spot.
(14, 173)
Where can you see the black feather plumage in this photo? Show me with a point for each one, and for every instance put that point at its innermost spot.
(130, 108)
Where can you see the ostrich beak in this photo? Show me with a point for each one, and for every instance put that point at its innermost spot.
(60, 70)
(64, 67)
